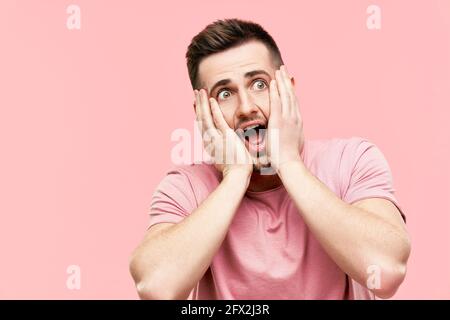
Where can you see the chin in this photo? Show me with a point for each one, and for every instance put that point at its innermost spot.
(262, 165)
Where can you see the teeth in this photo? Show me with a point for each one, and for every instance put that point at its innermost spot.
(251, 127)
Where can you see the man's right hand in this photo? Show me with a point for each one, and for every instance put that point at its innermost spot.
(226, 148)
(154, 263)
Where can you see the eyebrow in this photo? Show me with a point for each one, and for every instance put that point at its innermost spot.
(248, 74)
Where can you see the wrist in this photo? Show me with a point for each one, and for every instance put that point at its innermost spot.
(239, 176)
(287, 167)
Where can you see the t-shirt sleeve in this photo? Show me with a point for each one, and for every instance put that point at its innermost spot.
(370, 174)
(173, 199)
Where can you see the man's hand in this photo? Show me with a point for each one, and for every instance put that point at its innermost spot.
(221, 142)
(155, 263)
(285, 127)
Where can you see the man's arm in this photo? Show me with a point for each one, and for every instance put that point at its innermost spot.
(168, 264)
(369, 233)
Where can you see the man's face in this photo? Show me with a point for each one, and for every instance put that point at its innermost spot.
(239, 79)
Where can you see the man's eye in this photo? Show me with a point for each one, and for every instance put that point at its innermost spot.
(260, 84)
(223, 94)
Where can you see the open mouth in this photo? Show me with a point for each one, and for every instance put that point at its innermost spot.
(255, 137)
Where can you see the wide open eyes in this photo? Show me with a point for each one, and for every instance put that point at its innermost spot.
(225, 93)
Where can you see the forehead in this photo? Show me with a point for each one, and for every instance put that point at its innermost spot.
(234, 62)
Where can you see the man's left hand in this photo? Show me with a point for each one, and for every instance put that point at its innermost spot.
(285, 137)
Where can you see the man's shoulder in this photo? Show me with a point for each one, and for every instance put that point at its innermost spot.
(333, 160)
(197, 173)
(318, 148)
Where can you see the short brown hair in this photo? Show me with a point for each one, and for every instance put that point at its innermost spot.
(224, 34)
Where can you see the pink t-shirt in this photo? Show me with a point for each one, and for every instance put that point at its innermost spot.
(269, 253)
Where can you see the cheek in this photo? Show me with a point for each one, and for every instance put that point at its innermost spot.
(262, 99)
(228, 114)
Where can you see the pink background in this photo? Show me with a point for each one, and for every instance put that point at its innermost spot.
(86, 117)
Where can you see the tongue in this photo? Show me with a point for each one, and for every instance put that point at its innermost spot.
(254, 138)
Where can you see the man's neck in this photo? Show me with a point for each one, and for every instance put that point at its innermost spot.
(262, 182)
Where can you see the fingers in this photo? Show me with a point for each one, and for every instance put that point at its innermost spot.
(217, 116)
(286, 88)
(294, 101)
(284, 96)
(274, 97)
(198, 111)
(290, 90)
(204, 112)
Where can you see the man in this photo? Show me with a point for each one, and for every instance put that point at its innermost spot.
(324, 224)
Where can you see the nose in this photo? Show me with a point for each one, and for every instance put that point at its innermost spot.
(246, 107)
